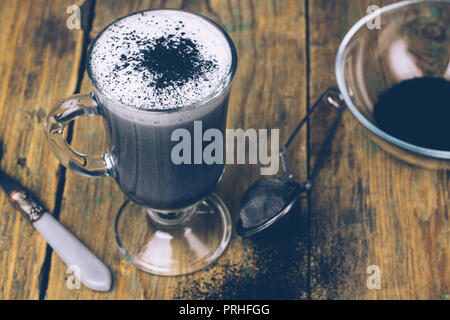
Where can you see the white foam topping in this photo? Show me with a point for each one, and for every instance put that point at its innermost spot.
(161, 59)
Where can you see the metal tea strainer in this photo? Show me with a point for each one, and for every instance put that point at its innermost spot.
(269, 200)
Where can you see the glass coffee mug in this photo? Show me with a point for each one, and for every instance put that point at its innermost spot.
(413, 41)
(174, 223)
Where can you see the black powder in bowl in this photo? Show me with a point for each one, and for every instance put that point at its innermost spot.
(417, 111)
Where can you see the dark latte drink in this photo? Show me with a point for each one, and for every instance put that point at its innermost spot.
(161, 70)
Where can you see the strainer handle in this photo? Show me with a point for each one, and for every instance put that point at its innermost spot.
(326, 144)
(334, 99)
(331, 94)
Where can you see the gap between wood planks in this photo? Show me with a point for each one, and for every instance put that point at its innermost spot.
(61, 174)
(308, 150)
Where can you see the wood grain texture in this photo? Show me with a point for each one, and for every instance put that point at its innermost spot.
(267, 93)
(367, 207)
(38, 65)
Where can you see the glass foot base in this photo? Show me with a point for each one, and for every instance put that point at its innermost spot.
(173, 250)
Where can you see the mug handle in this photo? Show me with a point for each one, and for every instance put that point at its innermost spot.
(63, 113)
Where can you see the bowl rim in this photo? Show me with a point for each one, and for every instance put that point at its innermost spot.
(340, 77)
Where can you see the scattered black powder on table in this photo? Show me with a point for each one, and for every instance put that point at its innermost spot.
(417, 111)
(278, 272)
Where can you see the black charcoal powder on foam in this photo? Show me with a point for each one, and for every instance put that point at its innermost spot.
(159, 61)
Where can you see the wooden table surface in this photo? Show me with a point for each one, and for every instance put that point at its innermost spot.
(366, 208)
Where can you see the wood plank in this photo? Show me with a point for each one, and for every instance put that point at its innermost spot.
(267, 34)
(367, 207)
(39, 60)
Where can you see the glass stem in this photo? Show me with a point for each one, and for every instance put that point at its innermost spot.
(171, 219)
